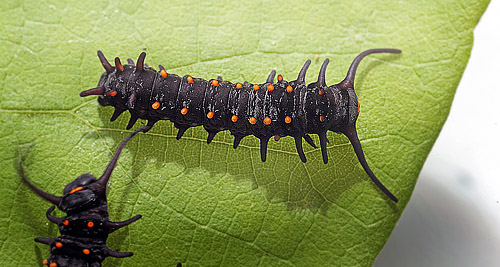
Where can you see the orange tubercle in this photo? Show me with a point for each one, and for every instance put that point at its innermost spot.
(289, 89)
(253, 120)
(239, 85)
(270, 87)
(322, 118)
(184, 111)
(234, 118)
(75, 190)
(256, 87)
(45, 262)
(112, 93)
(86, 251)
(280, 78)
(58, 245)
(66, 222)
(163, 73)
(156, 105)
(215, 83)
(210, 114)
(90, 224)
(288, 119)
(267, 120)
(321, 92)
(190, 79)
(53, 264)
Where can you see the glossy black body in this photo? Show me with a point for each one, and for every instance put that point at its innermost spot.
(313, 108)
(85, 228)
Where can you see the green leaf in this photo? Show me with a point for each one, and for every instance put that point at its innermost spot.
(209, 204)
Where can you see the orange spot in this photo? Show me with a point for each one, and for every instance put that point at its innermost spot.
(239, 85)
(270, 87)
(322, 118)
(163, 73)
(253, 120)
(58, 245)
(86, 251)
(155, 105)
(267, 120)
(190, 79)
(277, 138)
(112, 93)
(53, 264)
(289, 89)
(358, 106)
(66, 222)
(210, 114)
(215, 83)
(280, 78)
(45, 262)
(120, 67)
(90, 224)
(234, 118)
(321, 92)
(256, 87)
(184, 111)
(75, 190)
(288, 119)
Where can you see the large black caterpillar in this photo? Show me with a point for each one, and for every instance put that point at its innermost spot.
(264, 110)
(86, 227)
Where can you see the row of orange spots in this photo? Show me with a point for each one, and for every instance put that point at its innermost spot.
(163, 73)
(289, 89)
(270, 87)
(75, 190)
(252, 120)
(190, 79)
(239, 85)
(215, 83)
(112, 93)
(256, 87)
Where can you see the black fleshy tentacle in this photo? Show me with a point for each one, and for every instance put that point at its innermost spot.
(351, 133)
(107, 173)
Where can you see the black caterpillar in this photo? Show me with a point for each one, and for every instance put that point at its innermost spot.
(264, 110)
(86, 227)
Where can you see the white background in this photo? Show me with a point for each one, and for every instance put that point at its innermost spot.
(453, 218)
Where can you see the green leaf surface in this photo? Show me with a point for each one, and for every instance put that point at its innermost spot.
(209, 204)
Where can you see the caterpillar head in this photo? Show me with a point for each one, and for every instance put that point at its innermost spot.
(85, 191)
(111, 88)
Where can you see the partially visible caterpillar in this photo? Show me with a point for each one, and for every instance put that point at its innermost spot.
(264, 110)
(86, 227)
